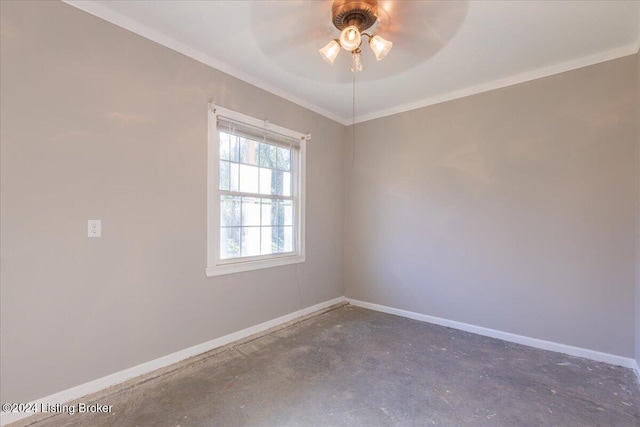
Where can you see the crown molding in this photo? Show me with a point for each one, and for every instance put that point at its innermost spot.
(104, 13)
(539, 73)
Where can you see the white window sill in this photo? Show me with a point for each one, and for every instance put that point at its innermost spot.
(238, 267)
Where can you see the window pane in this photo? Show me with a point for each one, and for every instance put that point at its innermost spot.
(249, 151)
(267, 155)
(233, 148)
(276, 182)
(284, 159)
(224, 145)
(229, 211)
(265, 181)
(234, 175)
(287, 239)
(269, 212)
(267, 246)
(276, 240)
(281, 183)
(285, 212)
(250, 211)
(248, 179)
(224, 175)
(286, 183)
(250, 241)
(282, 239)
(229, 242)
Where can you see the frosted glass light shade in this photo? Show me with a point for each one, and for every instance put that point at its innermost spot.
(350, 38)
(380, 46)
(330, 51)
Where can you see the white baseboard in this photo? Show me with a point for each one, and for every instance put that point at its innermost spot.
(99, 384)
(162, 362)
(612, 359)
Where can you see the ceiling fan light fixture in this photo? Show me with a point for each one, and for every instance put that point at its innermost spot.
(330, 51)
(352, 18)
(380, 46)
(350, 38)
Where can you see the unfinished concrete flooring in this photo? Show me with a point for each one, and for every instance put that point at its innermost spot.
(356, 367)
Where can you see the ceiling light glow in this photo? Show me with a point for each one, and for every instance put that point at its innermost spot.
(350, 38)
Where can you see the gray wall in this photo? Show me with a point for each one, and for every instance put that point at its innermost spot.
(98, 123)
(513, 209)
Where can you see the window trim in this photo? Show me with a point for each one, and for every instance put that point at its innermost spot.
(216, 266)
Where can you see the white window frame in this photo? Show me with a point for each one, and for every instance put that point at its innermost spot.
(217, 266)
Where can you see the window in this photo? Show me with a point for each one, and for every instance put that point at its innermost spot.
(255, 193)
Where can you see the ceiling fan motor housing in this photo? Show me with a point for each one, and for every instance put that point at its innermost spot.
(361, 13)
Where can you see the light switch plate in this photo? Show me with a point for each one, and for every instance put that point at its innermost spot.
(94, 228)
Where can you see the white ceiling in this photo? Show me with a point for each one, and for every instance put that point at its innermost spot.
(442, 49)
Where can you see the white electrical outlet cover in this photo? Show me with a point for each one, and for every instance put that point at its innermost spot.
(94, 228)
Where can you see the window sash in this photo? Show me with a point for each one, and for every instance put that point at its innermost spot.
(272, 172)
(225, 252)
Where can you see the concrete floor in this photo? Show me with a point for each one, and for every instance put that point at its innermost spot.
(356, 367)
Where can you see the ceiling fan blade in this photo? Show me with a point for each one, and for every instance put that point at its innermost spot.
(290, 33)
(423, 26)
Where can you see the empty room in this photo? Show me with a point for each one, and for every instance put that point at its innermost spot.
(319, 213)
